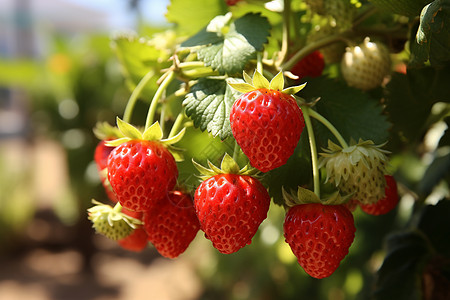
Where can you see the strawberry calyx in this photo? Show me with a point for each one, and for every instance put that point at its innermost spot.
(306, 196)
(358, 168)
(227, 166)
(104, 131)
(152, 133)
(111, 222)
(260, 82)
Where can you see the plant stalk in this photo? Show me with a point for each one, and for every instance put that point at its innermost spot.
(135, 95)
(159, 92)
(312, 144)
(330, 127)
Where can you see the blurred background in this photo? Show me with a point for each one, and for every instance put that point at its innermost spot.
(58, 77)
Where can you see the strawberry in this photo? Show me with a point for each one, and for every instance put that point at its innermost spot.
(357, 170)
(141, 169)
(386, 204)
(232, 2)
(101, 159)
(365, 66)
(266, 120)
(319, 236)
(136, 241)
(172, 224)
(311, 65)
(112, 222)
(230, 205)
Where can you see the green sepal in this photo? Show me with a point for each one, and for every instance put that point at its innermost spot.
(306, 196)
(277, 83)
(174, 139)
(293, 89)
(110, 221)
(104, 131)
(260, 82)
(153, 133)
(227, 166)
(129, 130)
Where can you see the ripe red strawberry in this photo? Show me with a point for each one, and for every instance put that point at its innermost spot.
(141, 172)
(136, 241)
(101, 159)
(266, 121)
(141, 169)
(172, 224)
(230, 207)
(386, 204)
(311, 65)
(319, 236)
(232, 2)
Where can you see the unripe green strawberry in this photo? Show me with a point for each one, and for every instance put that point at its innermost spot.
(319, 236)
(266, 121)
(230, 205)
(386, 204)
(357, 170)
(141, 169)
(365, 66)
(111, 222)
(172, 224)
(342, 11)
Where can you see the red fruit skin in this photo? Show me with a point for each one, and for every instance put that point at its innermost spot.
(319, 236)
(232, 2)
(172, 224)
(311, 65)
(141, 173)
(230, 209)
(267, 125)
(101, 159)
(388, 203)
(136, 241)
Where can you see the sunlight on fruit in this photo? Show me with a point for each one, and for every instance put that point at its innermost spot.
(353, 282)
(285, 254)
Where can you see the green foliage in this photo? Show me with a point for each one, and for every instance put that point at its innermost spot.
(209, 105)
(354, 113)
(433, 36)
(191, 16)
(227, 47)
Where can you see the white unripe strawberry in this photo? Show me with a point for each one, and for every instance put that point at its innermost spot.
(366, 65)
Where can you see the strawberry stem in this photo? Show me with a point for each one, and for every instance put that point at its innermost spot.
(118, 207)
(311, 48)
(176, 125)
(135, 95)
(159, 92)
(312, 144)
(285, 34)
(330, 127)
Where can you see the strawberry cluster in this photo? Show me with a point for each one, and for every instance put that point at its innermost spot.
(139, 172)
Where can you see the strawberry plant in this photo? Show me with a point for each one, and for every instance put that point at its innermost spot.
(337, 139)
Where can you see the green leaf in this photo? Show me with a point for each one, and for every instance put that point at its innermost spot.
(433, 34)
(200, 12)
(410, 99)
(399, 276)
(354, 113)
(209, 105)
(436, 171)
(137, 58)
(230, 52)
